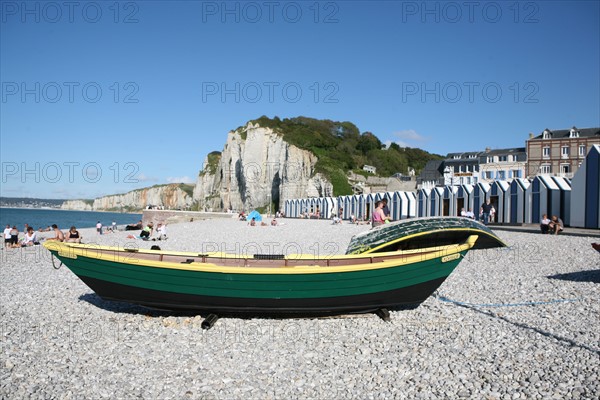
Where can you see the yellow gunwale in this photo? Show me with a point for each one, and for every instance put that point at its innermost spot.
(403, 238)
(70, 250)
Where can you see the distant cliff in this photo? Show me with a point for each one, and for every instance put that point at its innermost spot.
(257, 167)
(78, 205)
(170, 196)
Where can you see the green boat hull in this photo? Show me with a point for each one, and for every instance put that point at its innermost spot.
(276, 293)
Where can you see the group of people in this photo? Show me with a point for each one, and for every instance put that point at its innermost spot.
(149, 233)
(30, 237)
(551, 225)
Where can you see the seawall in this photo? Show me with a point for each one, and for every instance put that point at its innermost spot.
(173, 217)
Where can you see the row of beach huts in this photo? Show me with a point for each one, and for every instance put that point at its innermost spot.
(518, 201)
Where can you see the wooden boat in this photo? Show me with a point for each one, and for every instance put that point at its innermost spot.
(416, 233)
(226, 284)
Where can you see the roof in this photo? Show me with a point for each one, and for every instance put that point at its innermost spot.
(566, 133)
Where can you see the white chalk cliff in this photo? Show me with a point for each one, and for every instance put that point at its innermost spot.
(170, 196)
(256, 167)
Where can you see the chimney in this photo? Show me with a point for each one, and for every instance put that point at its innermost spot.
(530, 135)
(487, 149)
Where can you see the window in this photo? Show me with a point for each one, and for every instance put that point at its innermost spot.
(564, 151)
(582, 150)
(565, 168)
(545, 169)
(546, 152)
(547, 134)
(516, 173)
(456, 157)
(502, 175)
(472, 155)
(502, 158)
(573, 133)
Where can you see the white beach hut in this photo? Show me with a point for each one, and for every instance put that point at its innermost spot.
(520, 201)
(545, 198)
(424, 203)
(585, 195)
(500, 198)
(564, 187)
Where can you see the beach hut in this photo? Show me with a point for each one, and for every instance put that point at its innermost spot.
(480, 195)
(346, 204)
(564, 187)
(500, 198)
(545, 198)
(424, 203)
(411, 207)
(354, 205)
(585, 195)
(288, 209)
(464, 198)
(437, 203)
(449, 201)
(520, 201)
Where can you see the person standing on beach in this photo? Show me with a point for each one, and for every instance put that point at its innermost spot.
(486, 209)
(99, 228)
(7, 236)
(14, 237)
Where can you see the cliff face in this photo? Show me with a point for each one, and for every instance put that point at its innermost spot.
(257, 167)
(168, 196)
(77, 205)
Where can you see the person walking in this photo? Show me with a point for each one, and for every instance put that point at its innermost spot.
(486, 209)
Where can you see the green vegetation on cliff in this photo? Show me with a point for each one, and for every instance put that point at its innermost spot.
(340, 147)
(212, 162)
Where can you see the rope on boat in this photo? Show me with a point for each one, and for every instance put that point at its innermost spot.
(529, 303)
(53, 265)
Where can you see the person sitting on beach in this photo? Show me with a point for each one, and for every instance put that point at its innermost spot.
(30, 238)
(274, 222)
(545, 224)
(555, 225)
(253, 222)
(73, 236)
(7, 236)
(146, 232)
(161, 232)
(58, 235)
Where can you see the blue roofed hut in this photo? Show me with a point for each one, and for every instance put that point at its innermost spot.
(585, 196)
(520, 201)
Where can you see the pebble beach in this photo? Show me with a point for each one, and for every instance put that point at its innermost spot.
(521, 322)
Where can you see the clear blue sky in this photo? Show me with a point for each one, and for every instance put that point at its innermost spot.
(98, 99)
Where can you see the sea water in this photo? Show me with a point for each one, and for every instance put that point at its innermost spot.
(42, 218)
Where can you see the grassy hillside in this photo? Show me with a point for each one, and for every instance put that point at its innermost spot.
(341, 147)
